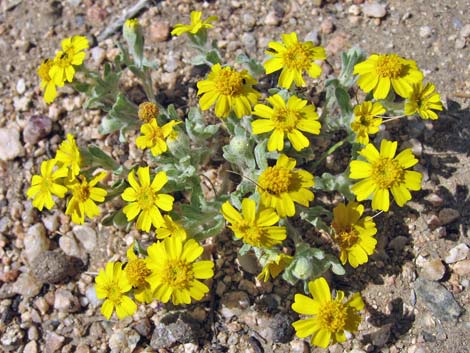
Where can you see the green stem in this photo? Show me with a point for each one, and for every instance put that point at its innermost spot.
(328, 152)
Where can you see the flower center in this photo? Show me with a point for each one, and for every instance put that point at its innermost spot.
(43, 71)
(252, 234)
(82, 192)
(346, 237)
(332, 316)
(136, 272)
(147, 111)
(275, 180)
(286, 119)
(298, 56)
(178, 274)
(63, 60)
(145, 197)
(390, 66)
(113, 292)
(365, 120)
(229, 83)
(387, 172)
(156, 134)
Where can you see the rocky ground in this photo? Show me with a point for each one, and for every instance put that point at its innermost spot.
(417, 284)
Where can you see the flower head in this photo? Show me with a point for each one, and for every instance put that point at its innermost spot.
(136, 271)
(45, 185)
(84, 195)
(282, 185)
(330, 317)
(47, 84)
(154, 136)
(254, 228)
(147, 111)
(274, 267)
(286, 119)
(112, 284)
(175, 275)
(366, 121)
(229, 90)
(293, 58)
(145, 201)
(68, 155)
(72, 54)
(380, 71)
(353, 234)
(383, 172)
(423, 101)
(132, 23)
(170, 228)
(195, 26)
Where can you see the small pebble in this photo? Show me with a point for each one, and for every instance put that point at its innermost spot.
(374, 10)
(20, 86)
(448, 215)
(27, 285)
(272, 19)
(327, 26)
(54, 342)
(462, 268)
(159, 32)
(86, 236)
(31, 347)
(37, 128)
(10, 144)
(434, 199)
(459, 43)
(248, 22)
(457, 253)
(354, 10)
(465, 31)
(65, 301)
(425, 31)
(433, 270)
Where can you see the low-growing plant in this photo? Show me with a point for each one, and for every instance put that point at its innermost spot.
(272, 148)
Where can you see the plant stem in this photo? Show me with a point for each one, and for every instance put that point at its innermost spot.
(387, 120)
(328, 152)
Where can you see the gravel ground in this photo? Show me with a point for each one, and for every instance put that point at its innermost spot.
(415, 286)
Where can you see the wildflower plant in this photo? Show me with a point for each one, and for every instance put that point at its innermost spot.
(272, 140)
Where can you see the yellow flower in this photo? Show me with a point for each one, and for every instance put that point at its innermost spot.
(293, 58)
(383, 172)
(44, 186)
(170, 228)
(136, 271)
(147, 111)
(423, 101)
(254, 228)
(145, 200)
(288, 120)
(72, 54)
(84, 195)
(68, 155)
(195, 26)
(274, 267)
(282, 185)
(380, 71)
(111, 284)
(154, 136)
(49, 87)
(174, 273)
(365, 121)
(353, 234)
(229, 90)
(131, 23)
(330, 317)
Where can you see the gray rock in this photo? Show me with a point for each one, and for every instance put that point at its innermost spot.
(272, 19)
(248, 22)
(98, 55)
(249, 263)
(459, 43)
(37, 128)
(54, 342)
(435, 200)
(12, 338)
(51, 222)
(433, 270)
(123, 340)
(27, 286)
(10, 144)
(313, 37)
(249, 41)
(327, 26)
(438, 299)
(282, 328)
(31, 347)
(92, 298)
(35, 242)
(86, 236)
(380, 337)
(465, 31)
(175, 328)
(69, 246)
(457, 253)
(55, 266)
(65, 301)
(374, 10)
(233, 303)
(448, 215)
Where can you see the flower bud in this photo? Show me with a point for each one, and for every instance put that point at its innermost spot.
(147, 111)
